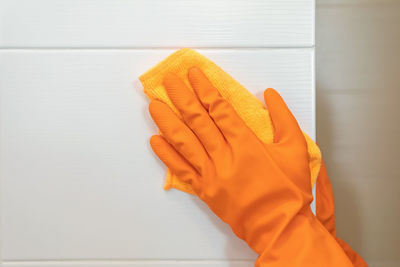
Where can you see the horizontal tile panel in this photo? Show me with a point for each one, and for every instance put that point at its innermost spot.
(158, 23)
(79, 180)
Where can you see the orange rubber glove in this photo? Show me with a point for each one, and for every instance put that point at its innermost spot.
(262, 191)
(325, 209)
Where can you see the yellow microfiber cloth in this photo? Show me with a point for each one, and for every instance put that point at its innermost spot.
(249, 108)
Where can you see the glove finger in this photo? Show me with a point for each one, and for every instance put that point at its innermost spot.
(174, 161)
(193, 113)
(223, 114)
(285, 124)
(178, 134)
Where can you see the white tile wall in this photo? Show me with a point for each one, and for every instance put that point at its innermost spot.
(157, 23)
(79, 183)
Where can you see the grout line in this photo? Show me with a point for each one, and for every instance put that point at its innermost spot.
(124, 261)
(157, 48)
(313, 17)
(146, 262)
(314, 94)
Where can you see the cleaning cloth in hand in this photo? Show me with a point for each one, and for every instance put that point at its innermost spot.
(248, 107)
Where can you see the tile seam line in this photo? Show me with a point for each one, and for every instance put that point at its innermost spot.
(156, 48)
(77, 261)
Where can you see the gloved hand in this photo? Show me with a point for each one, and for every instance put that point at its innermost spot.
(325, 210)
(259, 190)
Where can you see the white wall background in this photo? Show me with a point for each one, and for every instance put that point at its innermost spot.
(358, 92)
